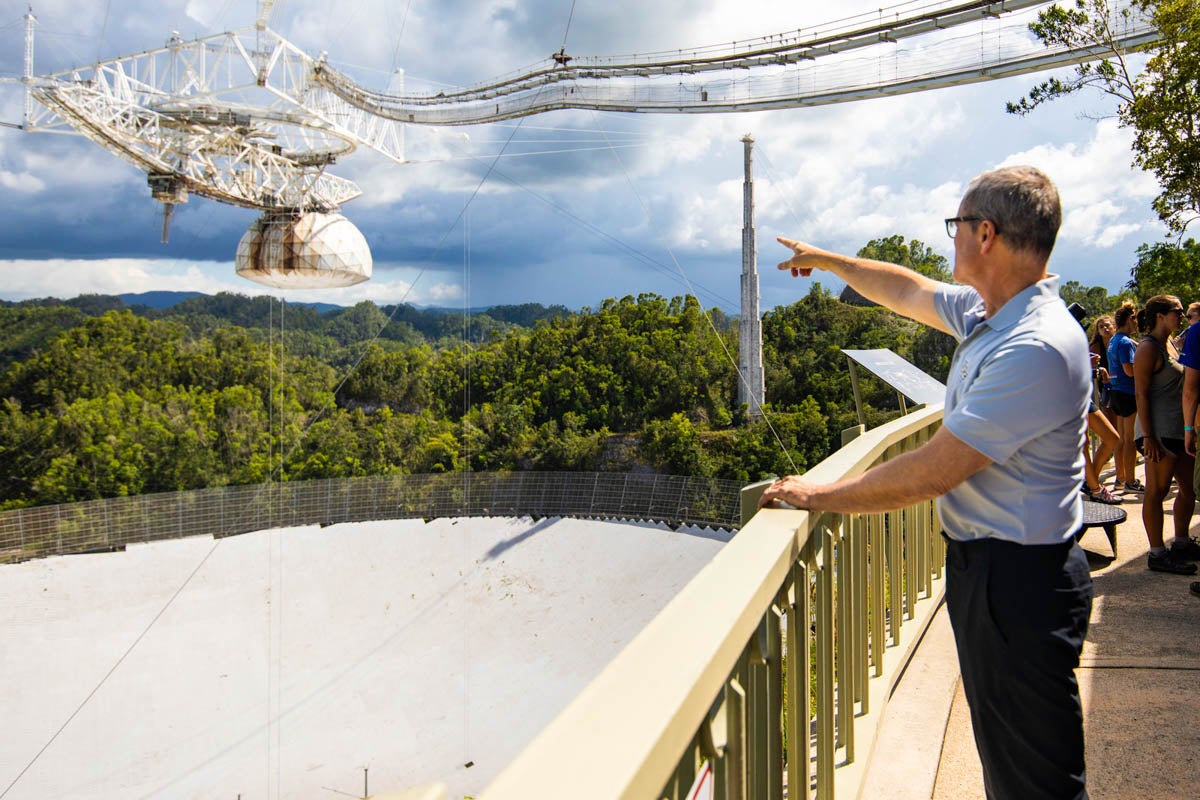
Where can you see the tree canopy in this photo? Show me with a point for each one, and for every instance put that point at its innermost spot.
(1167, 268)
(235, 390)
(915, 254)
(1161, 104)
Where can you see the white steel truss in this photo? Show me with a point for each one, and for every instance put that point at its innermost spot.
(233, 117)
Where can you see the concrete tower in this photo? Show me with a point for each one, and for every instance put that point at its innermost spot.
(750, 387)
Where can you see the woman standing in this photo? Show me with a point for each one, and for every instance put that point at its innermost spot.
(1102, 332)
(1121, 350)
(1100, 418)
(1158, 381)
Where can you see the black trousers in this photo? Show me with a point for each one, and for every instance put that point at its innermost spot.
(1020, 615)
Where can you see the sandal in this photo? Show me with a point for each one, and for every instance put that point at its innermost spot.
(1135, 486)
(1103, 495)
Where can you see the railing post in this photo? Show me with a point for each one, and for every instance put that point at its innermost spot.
(774, 754)
(895, 579)
(748, 499)
(858, 539)
(843, 627)
(877, 560)
(685, 773)
(911, 548)
(825, 700)
(735, 744)
(757, 713)
(799, 717)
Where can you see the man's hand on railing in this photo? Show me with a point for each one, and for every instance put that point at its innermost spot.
(792, 490)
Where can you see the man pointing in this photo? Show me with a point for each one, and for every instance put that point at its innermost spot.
(1007, 464)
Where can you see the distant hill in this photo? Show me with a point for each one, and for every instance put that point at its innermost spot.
(158, 300)
(162, 300)
(33, 323)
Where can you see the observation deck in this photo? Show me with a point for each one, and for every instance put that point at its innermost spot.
(714, 675)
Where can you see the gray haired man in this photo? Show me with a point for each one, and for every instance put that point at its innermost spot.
(1007, 464)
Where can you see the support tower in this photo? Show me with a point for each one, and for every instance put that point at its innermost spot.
(750, 365)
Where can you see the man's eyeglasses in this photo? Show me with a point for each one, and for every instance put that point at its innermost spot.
(952, 224)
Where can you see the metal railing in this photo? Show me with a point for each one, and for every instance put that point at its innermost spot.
(770, 669)
(104, 525)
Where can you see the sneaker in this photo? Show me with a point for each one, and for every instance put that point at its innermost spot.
(1135, 486)
(1188, 550)
(1169, 562)
(1103, 495)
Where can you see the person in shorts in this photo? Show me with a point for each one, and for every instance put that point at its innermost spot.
(1121, 349)
(1158, 385)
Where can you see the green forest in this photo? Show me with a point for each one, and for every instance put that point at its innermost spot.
(100, 399)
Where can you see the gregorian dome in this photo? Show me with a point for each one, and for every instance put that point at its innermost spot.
(303, 250)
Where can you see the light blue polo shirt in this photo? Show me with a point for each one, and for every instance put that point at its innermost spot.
(1017, 392)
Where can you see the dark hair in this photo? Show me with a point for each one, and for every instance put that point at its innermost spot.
(1159, 305)
(1123, 313)
(1023, 205)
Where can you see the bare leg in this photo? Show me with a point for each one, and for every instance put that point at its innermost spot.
(1126, 453)
(1185, 498)
(1158, 483)
(1111, 416)
(1109, 439)
(1090, 476)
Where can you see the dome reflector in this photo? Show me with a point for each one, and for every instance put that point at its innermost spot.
(309, 250)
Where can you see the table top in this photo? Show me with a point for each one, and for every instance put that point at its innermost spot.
(1102, 513)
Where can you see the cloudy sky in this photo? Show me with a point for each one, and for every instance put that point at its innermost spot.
(582, 206)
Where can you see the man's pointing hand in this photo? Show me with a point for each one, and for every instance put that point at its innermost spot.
(805, 258)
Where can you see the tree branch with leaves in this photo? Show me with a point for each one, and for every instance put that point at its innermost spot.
(1161, 104)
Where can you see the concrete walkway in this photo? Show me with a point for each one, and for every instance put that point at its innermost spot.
(1139, 680)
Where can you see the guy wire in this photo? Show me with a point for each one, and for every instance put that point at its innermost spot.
(567, 30)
